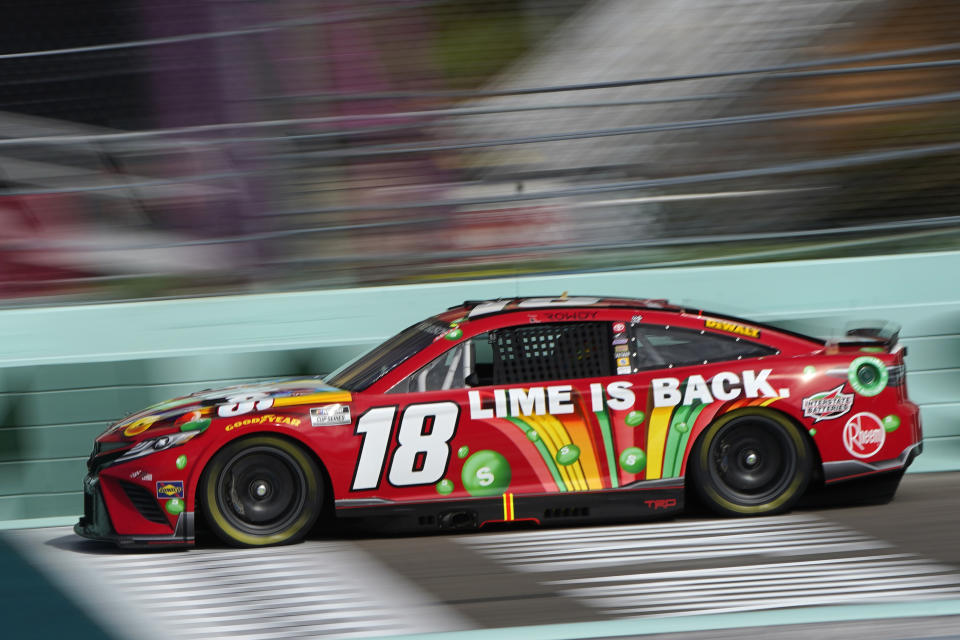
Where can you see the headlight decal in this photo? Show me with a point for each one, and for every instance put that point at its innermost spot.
(161, 443)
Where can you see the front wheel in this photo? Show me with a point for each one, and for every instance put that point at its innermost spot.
(751, 462)
(261, 491)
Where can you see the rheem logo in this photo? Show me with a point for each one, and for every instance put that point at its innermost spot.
(863, 435)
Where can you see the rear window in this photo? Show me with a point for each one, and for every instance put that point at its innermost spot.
(664, 346)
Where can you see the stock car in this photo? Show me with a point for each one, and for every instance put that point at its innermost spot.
(546, 410)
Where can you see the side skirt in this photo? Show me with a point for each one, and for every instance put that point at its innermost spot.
(641, 500)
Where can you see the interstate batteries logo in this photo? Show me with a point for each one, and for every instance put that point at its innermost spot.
(863, 435)
(170, 489)
(827, 405)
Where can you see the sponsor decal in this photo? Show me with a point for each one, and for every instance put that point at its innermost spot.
(141, 425)
(623, 362)
(619, 327)
(267, 418)
(827, 405)
(726, 385)
(864, 435)
(620, 340)
(621, 348)
(619, 395)
(330, 415)
(570, 315)
(636, 319)
(664, 503)
(170, 488)
(732, 327)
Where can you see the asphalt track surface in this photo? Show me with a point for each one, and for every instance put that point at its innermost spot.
(880, 572)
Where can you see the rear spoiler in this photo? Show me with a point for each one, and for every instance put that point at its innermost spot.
(885, 336)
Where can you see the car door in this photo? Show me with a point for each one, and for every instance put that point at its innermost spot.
(510, 410)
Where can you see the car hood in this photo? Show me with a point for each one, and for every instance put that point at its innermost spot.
(195, 411)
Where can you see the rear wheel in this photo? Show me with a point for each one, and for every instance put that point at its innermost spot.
(261, 491)
(751, 462)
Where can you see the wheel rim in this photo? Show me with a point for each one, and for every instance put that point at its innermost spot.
(261, 490)
(752, 461)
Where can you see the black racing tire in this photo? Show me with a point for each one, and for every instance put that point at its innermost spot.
(751, 462)
(261, 491)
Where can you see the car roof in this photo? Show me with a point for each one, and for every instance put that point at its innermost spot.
(473, 309)
(477, 308)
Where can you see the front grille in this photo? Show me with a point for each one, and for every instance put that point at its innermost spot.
(100, 458)
(144, 502)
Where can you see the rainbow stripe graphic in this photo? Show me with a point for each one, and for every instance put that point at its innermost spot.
(579, 451)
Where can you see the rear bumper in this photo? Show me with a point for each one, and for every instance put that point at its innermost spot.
(849, 469)
(95, 524)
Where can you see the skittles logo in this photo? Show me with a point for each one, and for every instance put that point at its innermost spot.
(864, 435)
(486, 473)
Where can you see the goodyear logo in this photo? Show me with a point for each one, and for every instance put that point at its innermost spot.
(170, 489)
(264, 419)
(733, 327)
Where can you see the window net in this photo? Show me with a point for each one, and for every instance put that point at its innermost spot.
(552, 352)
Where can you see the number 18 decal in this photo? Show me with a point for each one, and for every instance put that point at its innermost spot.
(430, 449)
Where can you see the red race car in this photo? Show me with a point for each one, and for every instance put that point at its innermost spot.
(547, 410)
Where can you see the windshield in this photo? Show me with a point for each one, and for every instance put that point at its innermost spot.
(364, 370)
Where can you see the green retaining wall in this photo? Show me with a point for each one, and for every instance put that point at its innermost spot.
(65, 372)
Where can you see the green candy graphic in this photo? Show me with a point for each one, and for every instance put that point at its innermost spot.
(454, 334)
(633, 460)
(486, 473)
(813, 432)
(532, 435)
(196, 425)
(175, 506)
(634, 418)
(891, 423)
(568, 454)
(445, 487)
(809, 370)
(463, 452)
(868, 376)
(682, 427)
(181, 461)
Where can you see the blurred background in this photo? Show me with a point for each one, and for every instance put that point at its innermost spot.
(180, 148)
(189, 148)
